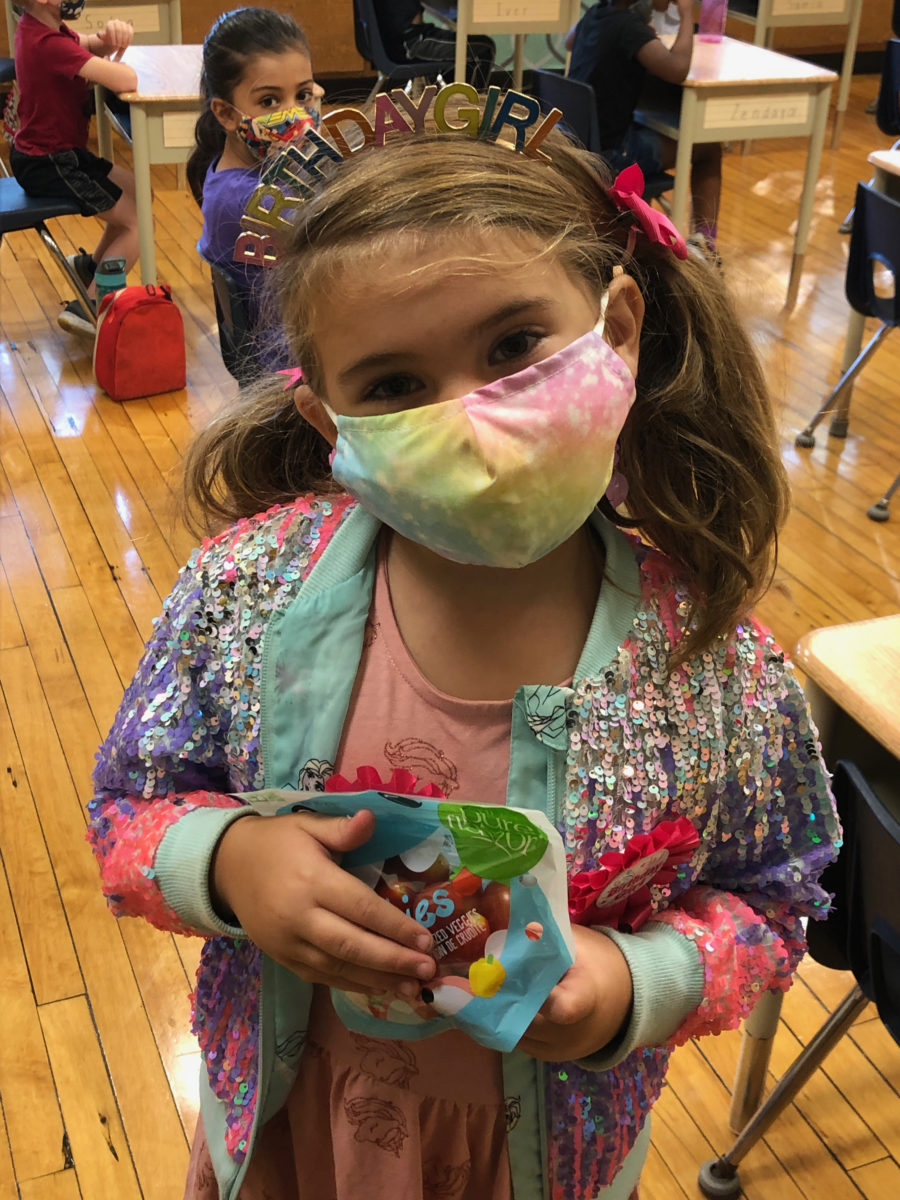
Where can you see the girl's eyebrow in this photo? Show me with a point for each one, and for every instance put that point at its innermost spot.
(274, 87)
(535, 304)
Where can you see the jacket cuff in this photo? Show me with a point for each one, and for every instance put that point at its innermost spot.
(667, 978)
(182, 867)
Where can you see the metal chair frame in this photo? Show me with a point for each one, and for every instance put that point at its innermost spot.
(866, 249)
(862, 935)
(20, 211)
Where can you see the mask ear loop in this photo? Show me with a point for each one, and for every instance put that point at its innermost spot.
(617, 489)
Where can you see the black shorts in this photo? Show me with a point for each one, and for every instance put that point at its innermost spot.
(76, 175)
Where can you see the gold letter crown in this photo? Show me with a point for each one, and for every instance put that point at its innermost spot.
(299, 167)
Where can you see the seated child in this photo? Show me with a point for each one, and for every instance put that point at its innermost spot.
(258, 94)
(55, 69)
(407, 37)
(614, 48)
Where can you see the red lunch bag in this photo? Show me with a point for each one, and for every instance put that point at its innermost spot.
(139, 348)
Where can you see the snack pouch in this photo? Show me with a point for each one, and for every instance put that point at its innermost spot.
(489, 884)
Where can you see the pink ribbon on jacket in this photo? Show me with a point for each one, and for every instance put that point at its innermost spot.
(617, 891)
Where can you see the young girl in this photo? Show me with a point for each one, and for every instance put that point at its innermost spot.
(55, 70)
(483, 334)
(258, 94)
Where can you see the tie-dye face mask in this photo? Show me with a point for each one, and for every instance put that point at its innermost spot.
(503, 475)
(268, 133)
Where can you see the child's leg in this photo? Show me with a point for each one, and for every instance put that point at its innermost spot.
(706, 183)
(706, 187)
(120, 237)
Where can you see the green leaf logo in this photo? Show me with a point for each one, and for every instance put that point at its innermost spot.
(493, 842)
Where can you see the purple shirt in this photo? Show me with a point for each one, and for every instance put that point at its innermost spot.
(225, 196)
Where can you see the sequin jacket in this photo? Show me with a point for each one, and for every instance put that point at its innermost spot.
(244, 684)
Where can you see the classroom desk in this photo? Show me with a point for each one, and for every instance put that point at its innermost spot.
(853, 689)
(736, 91)
(886, 179)
(768, 15)
(516, 19)
(163, 114)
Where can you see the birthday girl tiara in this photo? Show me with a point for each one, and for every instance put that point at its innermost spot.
(288, 179)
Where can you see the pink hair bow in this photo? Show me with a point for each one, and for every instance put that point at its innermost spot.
(294, 377)
(627, 191)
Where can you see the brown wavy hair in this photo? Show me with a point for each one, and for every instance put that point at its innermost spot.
(705, 480)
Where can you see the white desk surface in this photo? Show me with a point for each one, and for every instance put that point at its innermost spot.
(720, 64)
(858, 666)
(165, 73)
(886, 160)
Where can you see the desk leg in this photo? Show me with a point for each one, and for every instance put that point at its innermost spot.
(518, 60)
(808, 196)
(140, 146)
(681, 215)
(753, 1064)
(104, 129)
(462, 38)
(846, 74)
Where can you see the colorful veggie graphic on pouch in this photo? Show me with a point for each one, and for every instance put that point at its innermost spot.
(487, 976)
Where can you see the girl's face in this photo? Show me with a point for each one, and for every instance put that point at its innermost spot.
(270, 83)
(412, 326)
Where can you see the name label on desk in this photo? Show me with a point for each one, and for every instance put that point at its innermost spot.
(746, 112)
(178, 129)
(784, 8)
(526, 10)
(143, 18)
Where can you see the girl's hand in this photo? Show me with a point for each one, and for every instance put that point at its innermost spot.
(114, 40)
(588, 1006)
(279, 877)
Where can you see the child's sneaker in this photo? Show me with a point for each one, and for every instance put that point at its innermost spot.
(74, 319)
(83, 266)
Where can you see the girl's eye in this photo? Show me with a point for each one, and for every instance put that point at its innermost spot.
(515, 345)
(268, 102)
(393, 387)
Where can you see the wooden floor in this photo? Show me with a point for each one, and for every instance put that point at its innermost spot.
(96, 1070)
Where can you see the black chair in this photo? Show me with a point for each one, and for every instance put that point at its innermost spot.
(874, 252)
(578, 104)
(862, 935)
(237, 341)
(20, 211)
(370, 46)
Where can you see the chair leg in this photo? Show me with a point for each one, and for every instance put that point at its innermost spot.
(50, 242)
(718, 1178)
(807, 437)
(879, 510)
(376, 88)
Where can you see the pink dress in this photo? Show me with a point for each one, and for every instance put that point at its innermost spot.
(416, 1120)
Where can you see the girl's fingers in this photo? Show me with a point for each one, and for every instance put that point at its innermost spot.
(358, 904)
(348, 949)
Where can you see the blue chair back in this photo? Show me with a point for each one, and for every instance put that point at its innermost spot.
(575, 99)
(887, 112)
(237, 341)
(872, 902)
(874, 250)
